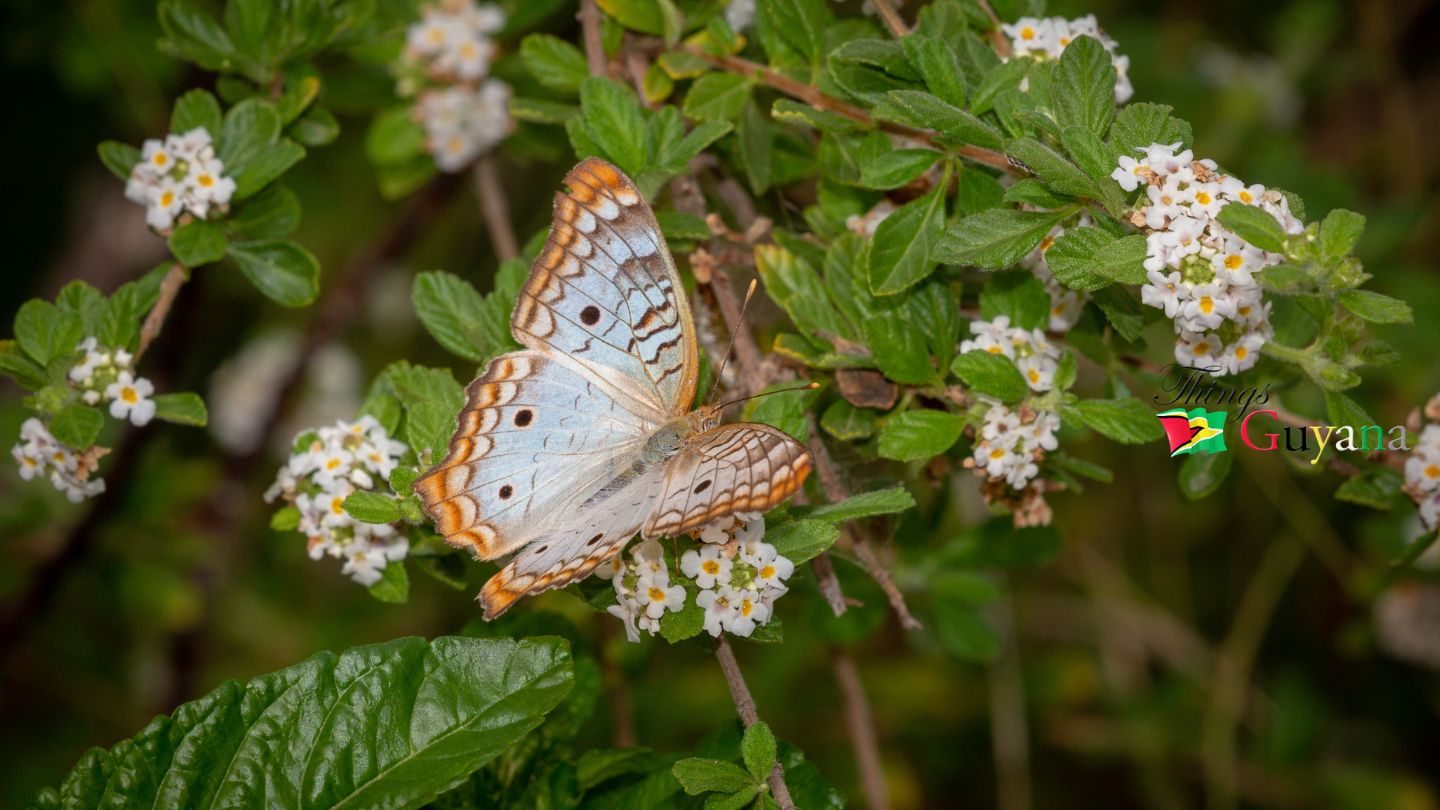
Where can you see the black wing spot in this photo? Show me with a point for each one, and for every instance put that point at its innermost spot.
(524, 417)
(506, 491)
(702, 486)
(590, 315)
(592, 541)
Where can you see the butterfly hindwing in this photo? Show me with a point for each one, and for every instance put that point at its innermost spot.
(535, 439)
(593, 533)
(604, 293)
(740, 467)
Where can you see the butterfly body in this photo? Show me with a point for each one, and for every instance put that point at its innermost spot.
(570, 447)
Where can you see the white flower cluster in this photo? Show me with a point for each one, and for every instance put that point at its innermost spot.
(1032, 354)
(69, 470)
(110, 375)
(1422, 476)
(452, 39)
(179, 175)
(740, 14)
(1013, 443)
(739, 576)
(466, 114)
(339, 460)
(462, 122)
(1200, 273)
(1047, 38)
(643, 591)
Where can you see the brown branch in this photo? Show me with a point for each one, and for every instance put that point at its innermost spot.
(745, 707)
(997, 36)
(861, 724)
(892, 18)
(820, 100)
(590, 33)
(622, 711)
(490, 194)
(175, 278)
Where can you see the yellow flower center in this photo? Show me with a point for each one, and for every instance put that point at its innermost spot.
(337, 505)
(1064, 41)
(1034, 377)
(1432, 471)
(997, 454)
(1027, 33)
(468, 50)
(129, 395)
(59, 458)
(745, 607)
(161, 159)
(1202, 350)
(167, 198)
(332, 464)
(1244, 312)
(995, 350)
(657, 595)
(437, 36)
(711, 567)
(1233, 261)
(769, 570)
(1241, 352)
(1207, 305)
(1202, 198)
(1246, 197)
(205, 180)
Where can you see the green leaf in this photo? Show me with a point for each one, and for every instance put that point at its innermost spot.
(990, 374)
(938, 65)
(757, 148)
(1376, 308)
(1141, 124)
(45, 332)
(372, 507)
(802, 540)
(784, 411)
(394, 137)
(963, 633)
(978, 191)
(198, 242)
(865, 505)
(251, 147)
(1018, 295)
(1032, 192)
(998, 544)
(1084, 86)
(1339, 232)
(900, 251)
(757, 749)
(1201, 474)
(611, 117)
(285, 519)
(554, 62)
(680, 153)
(678, 226)
(1127, 316)
(197, 108)
(800, 23)
(272, 214)
(894, 168)
(383, 725)
(285, 272)
(316, 127)
(119, 158)
(1087, 259)
(793, 283)
(77, 425)
(847, 422)
(658, 17)
(717, 97)
(687, 622)
(393, 586)
(452, 312)
(29, 374)
(955, 126)
(793, 112)
(1377, 488)
(183, 408)
(1053, 169)
(915, 435)
(996, 238)
(192, 33)
(1127, 421)
(699, 775)
(1254, 225)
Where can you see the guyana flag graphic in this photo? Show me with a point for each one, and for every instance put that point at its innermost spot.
(1197, 431)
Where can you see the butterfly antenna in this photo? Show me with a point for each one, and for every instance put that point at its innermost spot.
(730, 350)
(807, 387)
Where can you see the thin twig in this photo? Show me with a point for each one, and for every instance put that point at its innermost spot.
(997, 37)
(892, 18)
(861, 724)
(1232, 671)
(749, 715)
(590, 33)
(494, 209)
(622, 711)
(820, 100)
(170, 286)
(1008, 730)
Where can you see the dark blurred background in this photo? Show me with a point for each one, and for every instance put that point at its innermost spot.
(1254, 631)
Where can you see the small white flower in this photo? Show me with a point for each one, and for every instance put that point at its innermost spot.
(747, 610)
(707, 566)
(30, 463)
(719, 611)
(363, 563)
(1422, 470)
(1038, 371)
(130, 398)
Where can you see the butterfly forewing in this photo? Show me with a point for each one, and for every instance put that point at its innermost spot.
(604, 293)
(535, 439)
(733, 468)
